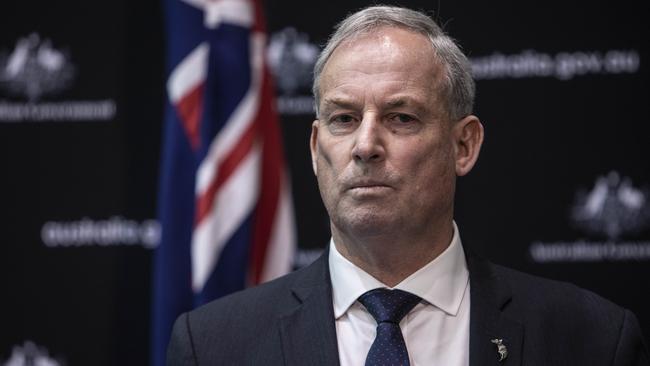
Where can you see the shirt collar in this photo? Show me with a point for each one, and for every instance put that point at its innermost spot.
(441, 282)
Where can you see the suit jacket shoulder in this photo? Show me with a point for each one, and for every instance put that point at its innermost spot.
(290, 321)
(284, 321)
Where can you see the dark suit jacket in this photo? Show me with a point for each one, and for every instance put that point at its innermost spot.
(290, 321)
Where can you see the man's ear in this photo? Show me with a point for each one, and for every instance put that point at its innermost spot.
(313, 145)
(468, 138)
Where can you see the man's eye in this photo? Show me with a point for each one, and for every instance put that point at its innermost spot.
(343, 118)
(403, 118)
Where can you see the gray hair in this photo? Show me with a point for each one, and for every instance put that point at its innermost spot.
(458, 86)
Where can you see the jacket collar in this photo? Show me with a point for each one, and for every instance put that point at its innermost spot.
(308, 331)
(490, 295)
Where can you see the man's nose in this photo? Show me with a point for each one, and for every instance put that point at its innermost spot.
(369, 144)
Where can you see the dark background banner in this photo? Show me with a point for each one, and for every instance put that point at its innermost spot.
(562, 187)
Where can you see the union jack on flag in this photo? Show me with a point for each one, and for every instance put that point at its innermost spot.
(224, 200)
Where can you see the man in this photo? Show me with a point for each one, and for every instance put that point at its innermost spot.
(394, 129)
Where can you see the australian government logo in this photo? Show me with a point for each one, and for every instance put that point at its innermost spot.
(31, 354)
(291, 58)
(612, 215)
(34, 70)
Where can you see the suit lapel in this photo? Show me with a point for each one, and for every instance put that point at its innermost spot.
(308, 332)
(490, 295)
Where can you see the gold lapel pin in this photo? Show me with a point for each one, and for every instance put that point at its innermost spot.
(501, 348)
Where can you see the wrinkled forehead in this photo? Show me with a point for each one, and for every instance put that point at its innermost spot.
(386, 53)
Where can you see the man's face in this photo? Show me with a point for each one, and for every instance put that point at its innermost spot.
(383, 148)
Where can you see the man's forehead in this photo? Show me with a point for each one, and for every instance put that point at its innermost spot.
(399, 100)
(388, 50)
(416, 91)
(387, 44)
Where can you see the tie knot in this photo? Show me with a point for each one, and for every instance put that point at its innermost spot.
(388, 305)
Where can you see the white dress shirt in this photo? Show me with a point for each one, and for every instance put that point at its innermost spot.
(436, 331)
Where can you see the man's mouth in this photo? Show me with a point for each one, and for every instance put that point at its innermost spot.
(367, 186)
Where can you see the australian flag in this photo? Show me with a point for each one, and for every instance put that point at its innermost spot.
(224, 200)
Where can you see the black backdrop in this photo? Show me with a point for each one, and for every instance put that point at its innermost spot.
(561, 188)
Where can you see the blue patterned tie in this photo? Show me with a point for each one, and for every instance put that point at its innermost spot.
(388, 307)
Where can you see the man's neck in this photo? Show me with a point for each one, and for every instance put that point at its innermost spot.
(392, 258)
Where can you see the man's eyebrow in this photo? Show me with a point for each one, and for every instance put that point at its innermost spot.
(337, 102)
(399, 102)
(404, 102)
